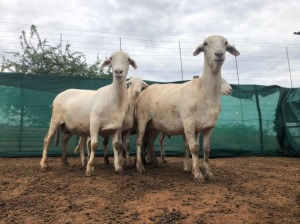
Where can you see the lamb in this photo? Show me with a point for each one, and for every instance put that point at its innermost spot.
(135, 86)
(89, 113)
(187, 109)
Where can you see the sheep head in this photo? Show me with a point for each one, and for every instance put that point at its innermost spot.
(214, 48)
(135, 86)
(119, 62)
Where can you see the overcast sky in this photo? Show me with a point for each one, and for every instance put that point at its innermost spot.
(150, 32)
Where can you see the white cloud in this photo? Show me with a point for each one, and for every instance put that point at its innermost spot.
(151, 30)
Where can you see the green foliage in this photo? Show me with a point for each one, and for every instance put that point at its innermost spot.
(38, 57)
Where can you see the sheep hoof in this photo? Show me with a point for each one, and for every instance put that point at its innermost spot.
(210, 177)
(187, 168)
(129, 165)
(44, 169)
(206, 172)
(65, 164)
(44, 166)
(89, 173)
(198, 180)
(155, 165)
(119, 171)
(140, 169)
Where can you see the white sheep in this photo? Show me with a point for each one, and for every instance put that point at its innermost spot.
(89, 113)
(186, 109)
(226, 90)
(135, 86)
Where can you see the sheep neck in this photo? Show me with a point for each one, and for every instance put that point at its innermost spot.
(131, 102)
(211, 78)
(120, 90)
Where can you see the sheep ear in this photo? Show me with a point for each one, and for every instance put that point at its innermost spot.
(132, 63)
(198, 49)
(105, 63)
(145, 85)
(232, 50)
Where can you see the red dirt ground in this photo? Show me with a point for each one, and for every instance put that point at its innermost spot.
(246, 190)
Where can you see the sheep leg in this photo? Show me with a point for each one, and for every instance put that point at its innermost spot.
(94, 145)
(162, 148)
(148, 154)
(105, 156)
(126, 143)
(139, 140)
(117, 146)
(88, 147)
(194, 148)
(186, 165)
(151, 137)
(144, 150)
(64, 150)
(208, 175)
(47, 142)
(81, 146)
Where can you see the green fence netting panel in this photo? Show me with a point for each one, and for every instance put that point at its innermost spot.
(287, 122)
(254, 120)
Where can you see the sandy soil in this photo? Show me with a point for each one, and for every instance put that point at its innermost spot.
(246, 190)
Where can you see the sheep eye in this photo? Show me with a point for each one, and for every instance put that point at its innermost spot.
(226, 43)
(205, 44)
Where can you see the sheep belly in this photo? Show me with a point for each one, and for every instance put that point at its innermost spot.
(170, 127)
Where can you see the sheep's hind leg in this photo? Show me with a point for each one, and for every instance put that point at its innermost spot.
(126, 143)
(186, 165)
(105, 156)
(208, 175)
(82, 144)
(64, 156)
(139, 140)
(151, 137)
(90, 165)
(47, 141)
(162, 147)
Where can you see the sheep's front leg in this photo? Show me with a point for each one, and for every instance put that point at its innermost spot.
(194, 148)
(117, 146)
(206, 149)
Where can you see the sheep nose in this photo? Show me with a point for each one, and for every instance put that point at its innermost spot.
(118, 71)
(137, 92)
(219, 54)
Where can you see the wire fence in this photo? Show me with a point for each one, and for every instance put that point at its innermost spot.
(170, 59)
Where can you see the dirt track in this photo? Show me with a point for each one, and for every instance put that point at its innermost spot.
(246, 190)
